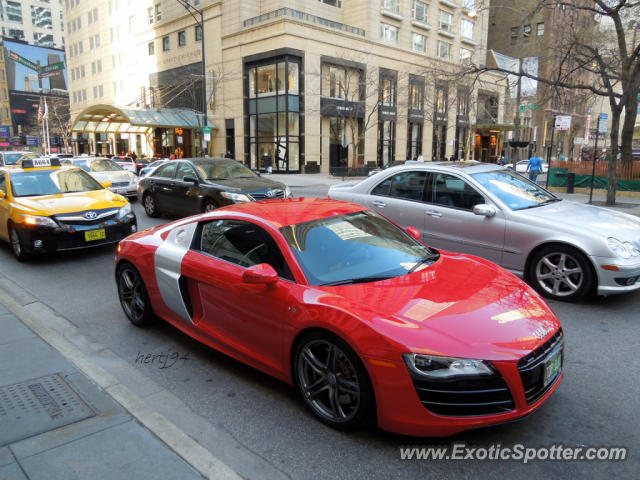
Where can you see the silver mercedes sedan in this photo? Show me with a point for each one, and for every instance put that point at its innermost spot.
(564, 249)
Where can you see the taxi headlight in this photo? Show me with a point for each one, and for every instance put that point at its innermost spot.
(124, 211)
(40, 221)
(236, 197)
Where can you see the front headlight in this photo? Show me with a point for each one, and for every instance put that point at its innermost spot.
(287, 193)
(443, 368)
(40, 221)
(236, 197)
(622, 249)
(124, 211)
(133, 178)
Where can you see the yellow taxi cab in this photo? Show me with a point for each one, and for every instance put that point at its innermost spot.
(46, 208)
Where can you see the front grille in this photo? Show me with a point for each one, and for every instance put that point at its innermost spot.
(78, 218)
(487, 395)
(264, 196)
(120, 184)
(531, 368)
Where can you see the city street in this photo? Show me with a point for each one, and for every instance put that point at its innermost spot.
(261, 428)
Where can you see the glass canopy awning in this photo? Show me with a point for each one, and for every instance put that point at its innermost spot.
(112, 119)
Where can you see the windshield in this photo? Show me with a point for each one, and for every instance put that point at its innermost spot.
(514, 190)
(51, 182)
(223, 170)
(102, 165)
(12, 158)
(353, 248)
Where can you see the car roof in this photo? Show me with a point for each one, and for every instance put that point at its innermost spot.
(290, 211)
(468, 167)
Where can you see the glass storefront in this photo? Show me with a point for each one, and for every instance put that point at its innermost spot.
(274, 113)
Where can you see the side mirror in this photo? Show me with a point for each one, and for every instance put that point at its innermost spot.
(106, 183)
(260, 274)
(2, 195)
(414, 232)
(190, 179)
(484, 210)
(257, 172)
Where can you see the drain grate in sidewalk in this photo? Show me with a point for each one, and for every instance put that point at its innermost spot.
(37, 406)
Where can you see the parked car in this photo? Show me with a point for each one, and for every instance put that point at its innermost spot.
(128, 163)
(122, 181)
(10, 157)
(521, 166)
(564, 249)
(143, 162)
(363, 319)
(186, 187)
(152, 166)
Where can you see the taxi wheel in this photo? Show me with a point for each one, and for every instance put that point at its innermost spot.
(149, 204)
(133, 296)
(16, 246)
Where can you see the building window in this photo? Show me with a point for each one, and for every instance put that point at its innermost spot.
(182, 38)
(466, 28)
(43, 39)
(152, 48)
(540, 29)
(99, 63)
(526, 32)
(389, 33)
(100, 91)
(391, 5)
(150, 15)
(444, 50)
(446, 20)
(337, 78)
(420, 11)
(12, 11)
(274, 113)
(387, 141)
(41, 17)
(469, 4)
(416, 95)
(387, 91)
(158, 13)
(465, 54)
(514, 34)
(419, 43)
(414, 140)
(333, 3)
(198, 33)
(165, 44)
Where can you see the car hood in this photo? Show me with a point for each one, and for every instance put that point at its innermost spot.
(460, 306)
(113, 176)
(69, 202)
(580, 217)
(249, 184)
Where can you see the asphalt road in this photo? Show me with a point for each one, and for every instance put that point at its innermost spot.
(596, 405)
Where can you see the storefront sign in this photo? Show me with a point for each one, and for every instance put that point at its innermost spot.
(563, 122)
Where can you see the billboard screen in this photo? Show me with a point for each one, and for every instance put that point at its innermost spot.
(31, 68)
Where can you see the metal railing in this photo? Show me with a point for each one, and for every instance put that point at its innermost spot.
(290, 12)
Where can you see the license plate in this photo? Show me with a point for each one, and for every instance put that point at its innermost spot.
(92, 235)
(552, 367)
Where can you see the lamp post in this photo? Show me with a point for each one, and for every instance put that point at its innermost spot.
(193, 11)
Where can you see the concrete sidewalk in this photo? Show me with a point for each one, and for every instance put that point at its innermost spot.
(58, 422)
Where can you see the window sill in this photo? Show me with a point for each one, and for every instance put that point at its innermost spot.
(446, 33)
(449, 3)
(424, 26)
(468, 41)
(390, 14)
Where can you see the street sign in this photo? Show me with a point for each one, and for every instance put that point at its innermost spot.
(23, 61)
(578, 141)
(563, 122)
(528, 107)
(50, 74)
(206, 130)
(603, 121)
(52, 67)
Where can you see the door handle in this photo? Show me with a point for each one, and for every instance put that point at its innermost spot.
(379, 204)
(433, 213)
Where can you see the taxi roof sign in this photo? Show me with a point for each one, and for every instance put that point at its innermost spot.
(39, 162)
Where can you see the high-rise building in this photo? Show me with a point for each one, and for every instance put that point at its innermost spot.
(317, 84)
(36, 22)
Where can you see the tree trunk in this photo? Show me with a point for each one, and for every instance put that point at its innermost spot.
(612, 183)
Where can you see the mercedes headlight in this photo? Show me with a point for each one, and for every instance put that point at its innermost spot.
(124, 211)
(40, 221)
(287, 193)
(622, 249)
(443, 368)
(236, 197)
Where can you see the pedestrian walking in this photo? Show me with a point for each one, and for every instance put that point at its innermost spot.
(266, 162)
(534, 167)
(420, 158)
(228, 154)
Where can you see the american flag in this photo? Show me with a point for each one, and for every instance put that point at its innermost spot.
(40, 110)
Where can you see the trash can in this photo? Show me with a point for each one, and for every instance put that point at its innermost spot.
(571, 181)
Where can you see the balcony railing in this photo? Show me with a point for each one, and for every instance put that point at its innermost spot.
(290, 12)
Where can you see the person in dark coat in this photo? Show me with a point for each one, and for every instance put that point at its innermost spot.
(228, 155)
(266, 162)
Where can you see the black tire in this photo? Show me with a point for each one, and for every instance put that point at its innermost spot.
(16, 245)
(333, 381)
(133, 296)
(208, 205)
(150, 205)
(560, 272)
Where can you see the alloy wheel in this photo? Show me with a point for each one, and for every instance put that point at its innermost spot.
(560, 274)
(131, 292)
(150, 206)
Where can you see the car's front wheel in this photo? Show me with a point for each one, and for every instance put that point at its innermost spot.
(561, 273)
(133, 296)
(16, 245)
(149, 204)
(333, 381)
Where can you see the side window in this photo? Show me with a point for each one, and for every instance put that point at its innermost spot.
(185, 170)
(3, 183)
(451, 191)
(242, 243)
(406, 185)
(166, 171)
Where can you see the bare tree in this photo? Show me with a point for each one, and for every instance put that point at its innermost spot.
(60, 119)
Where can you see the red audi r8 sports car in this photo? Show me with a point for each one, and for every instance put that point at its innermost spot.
(365, 320)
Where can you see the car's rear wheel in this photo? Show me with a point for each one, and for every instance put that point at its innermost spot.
(133, 295)
(16, 245)
(208, 206)
(149, 204)
(561, 273)
(333, 381)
